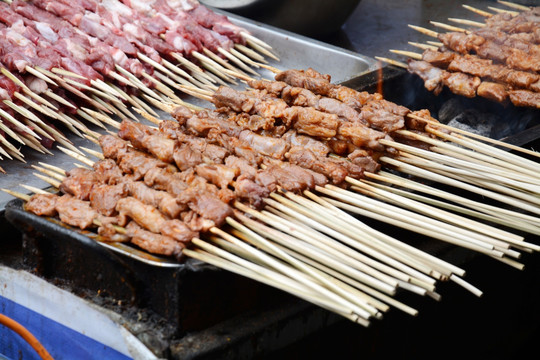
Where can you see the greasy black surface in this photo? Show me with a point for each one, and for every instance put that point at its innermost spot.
(503, 324)
(184, 296)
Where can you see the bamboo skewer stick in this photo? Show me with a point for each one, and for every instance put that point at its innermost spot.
(405, 219)
(280, 267)
(414, 170)
(382, 252)
(475, 136)
(477, 11)
(290, 266)
(331, 246)
(483, 211)
(448, 27)
(392, 62)
(468, 22)
(513, 13)
(318, 253)
(353, 225)
(465, 163)
(249, 52)
(451, 218)
(282, 283)
(514, 5)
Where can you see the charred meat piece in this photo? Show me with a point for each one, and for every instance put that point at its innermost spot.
(42, 204)
(79, 183)
(525, 98)
(463, 84)
(75, 212)
(145, 215)
(323, 165)
(218, 174)
(152, 242)
(492, 91)
(205, 204)
(384, 115)
(103, 197)
(433, 76)
(248, 190)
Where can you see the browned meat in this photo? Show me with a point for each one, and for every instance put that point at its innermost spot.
(162, 179)
(323, 165)
(170, 128)
(341, 109)
(107, 172)
(474, 66)
(320, 85)
(361, 136)
(384, 115)
(522, 60)
(79, 183)
(161, 147)
(297, 96)
(494, 51)
(299, 78)
(111, 145)
(433, 76)
(291, 177)
(235, 100)
(181, 114)
(185, 157)
(266, 179)
(201, 124)
(108, 231)
(265, 145)
(245, 189)
(341, 147)
(152, 242)
(492, 91)
(306, 142)
(218, 174)
(216, 154)
(137, 163)
(414, 124)
(241, 165)
(205, 204)
(461, 42)
(462, 84)
(253, 122)
(135, 133)
(75, 212)
(165, 202)
(525, 98)
(272, 87)
(145, 215)
(364, 161)
(313, 122)
(178, 230)
(196, 222)
(42, 204)
(148, 139)
(103, 197)
(440, 59)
